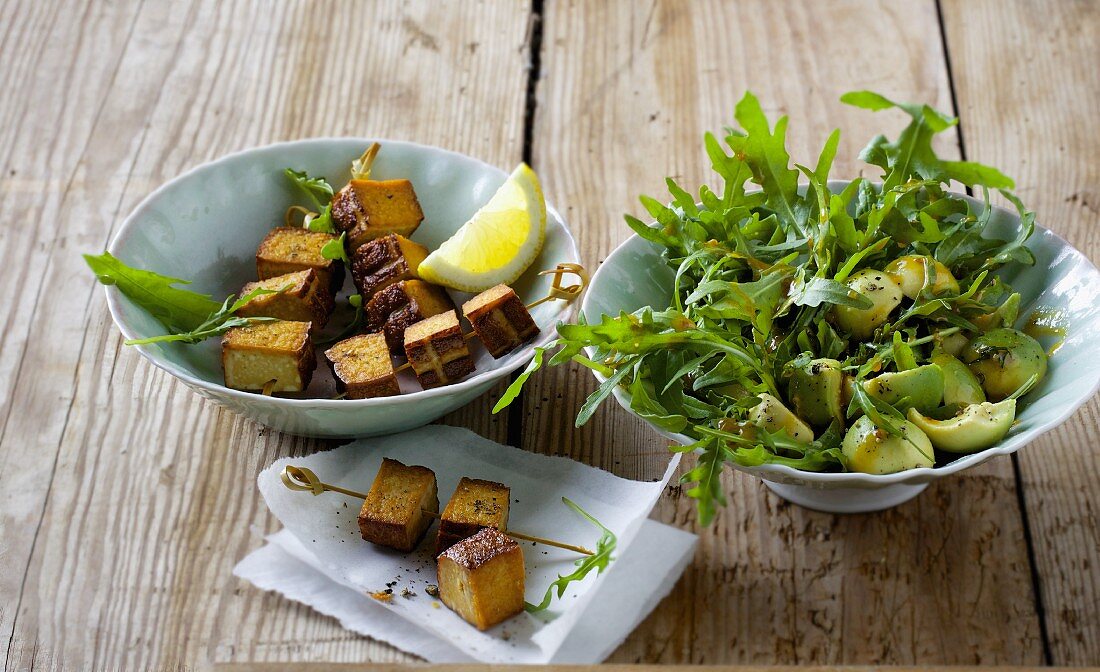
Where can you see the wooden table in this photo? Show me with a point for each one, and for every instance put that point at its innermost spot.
(126, 499)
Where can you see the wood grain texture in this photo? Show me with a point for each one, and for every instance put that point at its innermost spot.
(127, 498)
(625, 94)
(1028, 88)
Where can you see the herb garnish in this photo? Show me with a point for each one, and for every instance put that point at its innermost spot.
(597, 561)
(189, 316)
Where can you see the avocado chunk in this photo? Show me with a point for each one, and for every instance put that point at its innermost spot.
(1003, 360)
(885, 295)
(913, 272)
(922, 387)
(976, 427)
(771, 415)
(872, 450)
(960, 385)
(815, 392)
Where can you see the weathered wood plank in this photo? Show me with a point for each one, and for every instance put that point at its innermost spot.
(625, 94)
(152, 499)
(1028, 88)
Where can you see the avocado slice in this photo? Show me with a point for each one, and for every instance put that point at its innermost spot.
(872, 450)
(815, 392)
(770, 414)
(976, 427)
(1004, 360)
(960, 386)
(922, 386)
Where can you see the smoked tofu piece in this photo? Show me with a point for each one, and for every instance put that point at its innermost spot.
(500, 320)
(280, 351)
(481, 578)
(304, 298)
(362, 367)
(393, 513)
(288, 249)
(402, 304)
(475, 504)
(384, 261)
(437, 350)
(369, 209)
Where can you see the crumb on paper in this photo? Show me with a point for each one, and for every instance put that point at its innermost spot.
(407, 592)
(432, 590)
(435, 605)
(383, 595)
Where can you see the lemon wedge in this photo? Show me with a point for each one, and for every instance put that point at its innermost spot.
(499, 242)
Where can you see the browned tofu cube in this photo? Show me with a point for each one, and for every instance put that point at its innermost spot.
(500, 320)
(393, 513)
(403, 304)
(268, 351)
(369, 209)
(362, 367)
(302, 297)
(437, 350)
(475, 504)
(384, 261)
(288, 249)
(481, 578)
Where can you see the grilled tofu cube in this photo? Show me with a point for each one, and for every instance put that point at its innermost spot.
(437, 350)
(481, 578)
(369, 209)
(303, 298)
(393, 513)
(403, 304)
(362, 367)
(384, 261)
(288, 249)
(475, 504)
(280, 351)
(500, 320)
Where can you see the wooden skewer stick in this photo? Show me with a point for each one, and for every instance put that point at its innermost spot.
(557, 291)
(303, 479)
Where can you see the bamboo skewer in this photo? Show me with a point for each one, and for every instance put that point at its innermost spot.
(557, 291)
(303, 479)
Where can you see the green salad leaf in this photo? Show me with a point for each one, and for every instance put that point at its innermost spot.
(598, 561)
(176, 308)
(190, 317)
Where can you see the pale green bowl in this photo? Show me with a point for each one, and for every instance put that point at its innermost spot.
(634, 275)
(205, 225)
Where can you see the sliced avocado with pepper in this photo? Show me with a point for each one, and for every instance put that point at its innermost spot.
(872, 450)
(772, 415)
(815, 392)
(960, 386)
(922, 387)
(975, 428)
(1004, 360)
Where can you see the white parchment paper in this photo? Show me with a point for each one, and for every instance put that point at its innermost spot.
(326, 529)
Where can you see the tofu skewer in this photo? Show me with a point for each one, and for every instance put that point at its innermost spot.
(502, 322)
(303, 479)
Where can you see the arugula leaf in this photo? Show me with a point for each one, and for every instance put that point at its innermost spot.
(316, 189)
(335, 249)
(598, 561)
(219, 322)
(177, 309)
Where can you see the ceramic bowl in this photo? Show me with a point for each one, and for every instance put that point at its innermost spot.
(634, 275)
(205, 225)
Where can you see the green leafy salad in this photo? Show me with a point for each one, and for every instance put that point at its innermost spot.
(861, 328)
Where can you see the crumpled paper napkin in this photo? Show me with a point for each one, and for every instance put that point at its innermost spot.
(320, 559)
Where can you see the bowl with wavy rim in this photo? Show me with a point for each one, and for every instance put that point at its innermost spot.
(205, 225)
(634, 275)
